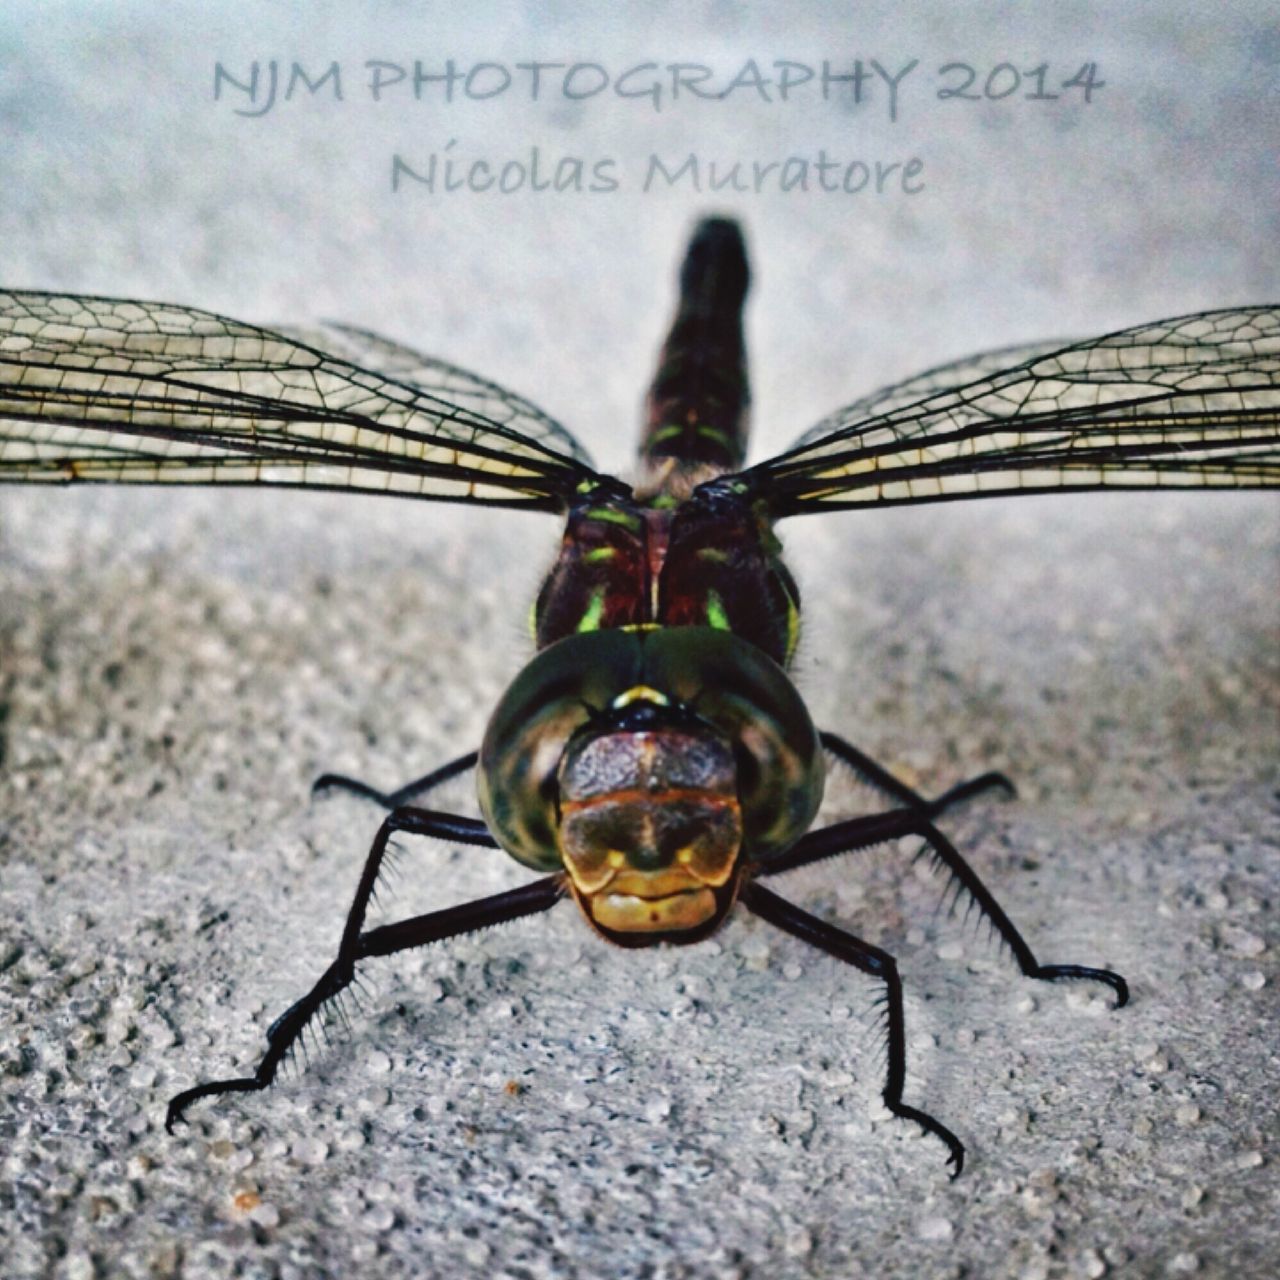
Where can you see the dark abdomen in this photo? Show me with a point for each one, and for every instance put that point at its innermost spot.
(696, 420)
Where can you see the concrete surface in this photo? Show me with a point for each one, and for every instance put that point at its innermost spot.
(175, 668)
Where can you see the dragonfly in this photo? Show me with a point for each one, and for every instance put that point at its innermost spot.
(653, 761)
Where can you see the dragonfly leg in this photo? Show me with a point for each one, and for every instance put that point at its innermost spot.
(401, 795)
(880, 779)
(879, 964)
(861, 833)
(357, 945)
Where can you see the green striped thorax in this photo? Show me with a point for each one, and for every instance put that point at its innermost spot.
(709, 561)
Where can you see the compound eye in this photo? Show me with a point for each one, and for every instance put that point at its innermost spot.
(518, 773)
(751, 701)
(519, 788)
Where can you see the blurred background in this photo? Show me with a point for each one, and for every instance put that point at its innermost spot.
(176, 667)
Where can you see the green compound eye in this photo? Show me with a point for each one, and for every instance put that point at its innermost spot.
(707, 678)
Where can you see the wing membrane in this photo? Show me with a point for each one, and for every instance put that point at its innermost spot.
(445, 381)
(1187, 403)
(102, 389)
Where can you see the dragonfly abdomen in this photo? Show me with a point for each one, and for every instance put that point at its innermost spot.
(696, 418)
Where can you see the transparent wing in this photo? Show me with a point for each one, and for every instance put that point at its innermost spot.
(1186, 403)
(442, 380)
(920, 386)
(102, 389)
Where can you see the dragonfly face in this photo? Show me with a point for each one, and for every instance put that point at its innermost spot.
(650, 823)
(654, 766)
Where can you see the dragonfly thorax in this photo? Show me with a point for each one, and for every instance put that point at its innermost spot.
(712, 561)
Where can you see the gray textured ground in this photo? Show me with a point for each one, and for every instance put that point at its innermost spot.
(175, 668)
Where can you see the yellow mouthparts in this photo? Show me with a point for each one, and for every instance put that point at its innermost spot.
(630, 913)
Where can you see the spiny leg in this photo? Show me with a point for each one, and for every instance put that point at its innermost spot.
(880, 779)
(879, 964)
(355, 945)
(402, 795)
(861, 833)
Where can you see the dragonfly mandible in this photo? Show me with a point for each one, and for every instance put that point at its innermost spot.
(653, 760)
